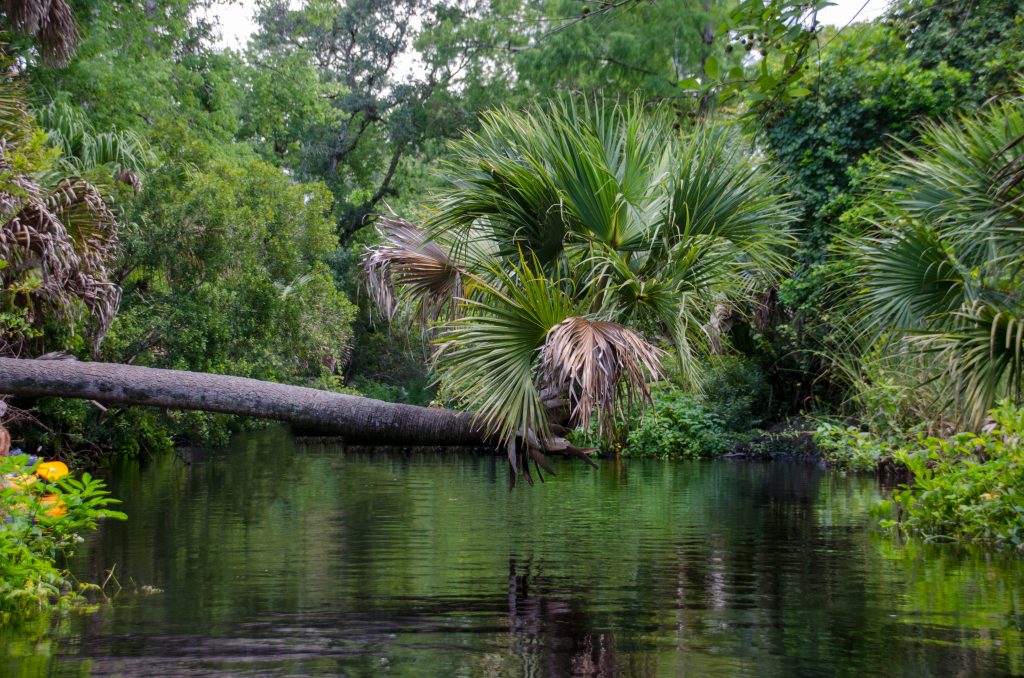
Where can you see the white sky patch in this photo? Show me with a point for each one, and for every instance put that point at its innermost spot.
(236, 24)
(844, 11)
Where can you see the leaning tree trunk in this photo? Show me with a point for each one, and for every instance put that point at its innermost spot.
(356, 419)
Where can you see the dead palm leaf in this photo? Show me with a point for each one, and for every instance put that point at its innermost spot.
(55, 238)
(597, 365)
(428, 278)
(51, 22)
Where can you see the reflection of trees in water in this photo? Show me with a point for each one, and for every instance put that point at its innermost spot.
(638, 569)
(553, 636)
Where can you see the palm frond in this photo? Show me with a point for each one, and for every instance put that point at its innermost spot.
(489, 356)
(579, 229)
(943, 267)
(985, 354)
(411, 267)
(601, 366)
(58, 236)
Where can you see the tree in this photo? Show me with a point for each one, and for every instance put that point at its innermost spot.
(382, 80)
(941, 263)
(867, 86)
(615, 49)
(57, 235)
(359, 419)
(567, 237)
(221, 257)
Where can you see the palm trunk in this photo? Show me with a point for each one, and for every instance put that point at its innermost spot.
(356, 419)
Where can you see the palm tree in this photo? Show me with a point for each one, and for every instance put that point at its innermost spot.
(50, 22)
(940, 269)
(57, 234)
(571, 241)
(121, 155)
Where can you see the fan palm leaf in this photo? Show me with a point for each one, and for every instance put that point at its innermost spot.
(943, 265)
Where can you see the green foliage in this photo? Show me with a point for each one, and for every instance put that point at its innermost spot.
(678, 426)
(943, 265)
(851, 448)
(414, 393)
(57, 236)
(969, 486)
(601, 220)
(34, 536)
(735, 389)
(333, 98)
(644, 48)
(871, 84)
(223, 258)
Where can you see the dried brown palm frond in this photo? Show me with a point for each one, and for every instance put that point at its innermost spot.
(51, 22)
(597, 365)
(410, 267)
(766, 309)
(64, 237)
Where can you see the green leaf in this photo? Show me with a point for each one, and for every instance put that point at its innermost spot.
(711, 66)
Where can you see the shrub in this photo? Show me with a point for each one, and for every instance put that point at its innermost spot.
(968, 486)
(678, 426)
(850, 448)
(34, 534)
(735, 389)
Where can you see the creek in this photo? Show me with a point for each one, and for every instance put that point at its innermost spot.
(276, 557)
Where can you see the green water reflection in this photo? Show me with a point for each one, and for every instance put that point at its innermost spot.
(282, 559)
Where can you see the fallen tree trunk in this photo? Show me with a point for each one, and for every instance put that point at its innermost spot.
(356, 419)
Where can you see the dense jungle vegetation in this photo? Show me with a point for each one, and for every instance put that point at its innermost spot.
(553, 214)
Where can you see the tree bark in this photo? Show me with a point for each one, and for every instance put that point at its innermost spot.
(356, 419)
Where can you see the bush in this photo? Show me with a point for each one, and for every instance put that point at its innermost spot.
(968, 486)
(678, 426)
(850, 448)
(416, 392)
(735, 389)
(34, 535)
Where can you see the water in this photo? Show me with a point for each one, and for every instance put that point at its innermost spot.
(274, 558)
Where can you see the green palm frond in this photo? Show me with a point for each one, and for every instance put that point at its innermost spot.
(723, 198)
(985, 353)
(952, 180)
(123, 153)
(489, 355)
(944, 267)
(910, 276)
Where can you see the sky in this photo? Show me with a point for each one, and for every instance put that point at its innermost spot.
(236, 24)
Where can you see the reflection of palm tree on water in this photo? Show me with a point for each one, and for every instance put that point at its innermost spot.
(552, 635)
